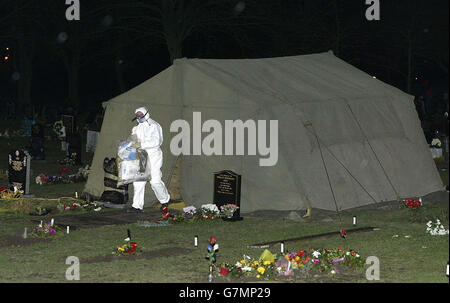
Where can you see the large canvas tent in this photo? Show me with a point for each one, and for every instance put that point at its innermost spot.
(345, 139)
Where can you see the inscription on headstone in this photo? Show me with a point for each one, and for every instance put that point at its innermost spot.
(227, 190)
(18, 170)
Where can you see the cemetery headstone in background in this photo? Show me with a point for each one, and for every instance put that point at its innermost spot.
(19, 170)
(227, 190)
(68, 122)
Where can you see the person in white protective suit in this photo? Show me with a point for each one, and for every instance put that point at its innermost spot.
(150, 137)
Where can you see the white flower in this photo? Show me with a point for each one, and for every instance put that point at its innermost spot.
(357, 255)
(97, 209)
(247, 268)
(316, 254)
(348, 253)
(238, 264)
(190, 210)
(216, 247)
(436, 142)
(210, 207)
(333, 272)
(395, 236)
(408, 236)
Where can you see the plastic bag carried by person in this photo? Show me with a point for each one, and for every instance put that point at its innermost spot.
(132, 163)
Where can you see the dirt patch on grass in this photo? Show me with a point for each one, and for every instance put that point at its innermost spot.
(154, 254)
(17, 240)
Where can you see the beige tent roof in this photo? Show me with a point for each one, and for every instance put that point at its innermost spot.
(336, 124)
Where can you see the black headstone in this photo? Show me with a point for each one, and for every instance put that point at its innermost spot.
(17, 169)
(68, 122)
(227, 190)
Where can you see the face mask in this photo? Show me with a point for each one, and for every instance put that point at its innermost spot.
(140, 119)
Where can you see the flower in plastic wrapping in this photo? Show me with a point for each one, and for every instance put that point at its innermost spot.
(190, 210)
(316, 254)
(210, 208)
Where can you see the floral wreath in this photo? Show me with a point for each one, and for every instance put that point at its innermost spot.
(57, 127)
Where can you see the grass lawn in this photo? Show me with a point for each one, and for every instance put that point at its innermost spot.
(168, 253)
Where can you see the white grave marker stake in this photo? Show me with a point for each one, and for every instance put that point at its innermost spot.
(282, 247)
(196, 241)
(354, 220)
(40, 224)
(210, 276)
(51, 222)
(67, 229)
(25, 233)
(76, 195)
(447, 270)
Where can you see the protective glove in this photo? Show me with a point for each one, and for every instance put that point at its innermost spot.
(136, 144)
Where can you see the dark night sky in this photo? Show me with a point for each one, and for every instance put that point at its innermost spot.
(294, 28)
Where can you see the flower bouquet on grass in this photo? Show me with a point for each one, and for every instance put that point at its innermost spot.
(228, 210)
(209, 211)
(85, 206)
(46, 230)
(263, 268)
(436, 228)
(129, 248)
(191, 214)
(411, 204)
(327, 259)
(269, 266)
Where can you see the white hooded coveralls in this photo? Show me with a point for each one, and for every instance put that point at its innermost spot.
(149, 134)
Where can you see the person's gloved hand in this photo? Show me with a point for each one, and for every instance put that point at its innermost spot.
(136, 145)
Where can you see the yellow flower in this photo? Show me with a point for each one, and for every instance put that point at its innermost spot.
(258, 276)
(120, 249)
(261, 270)
(301, 265)
(255, 263)
(267, 262)
(286, 257)
(297, 258)
(242, 261)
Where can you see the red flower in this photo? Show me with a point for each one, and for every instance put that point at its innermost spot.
(224, 271)
(133, 248)
(340, 248)
(301, 253)
(353, 253)
(212, 240)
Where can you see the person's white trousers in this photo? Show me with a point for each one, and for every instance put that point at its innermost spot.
(154, 163)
